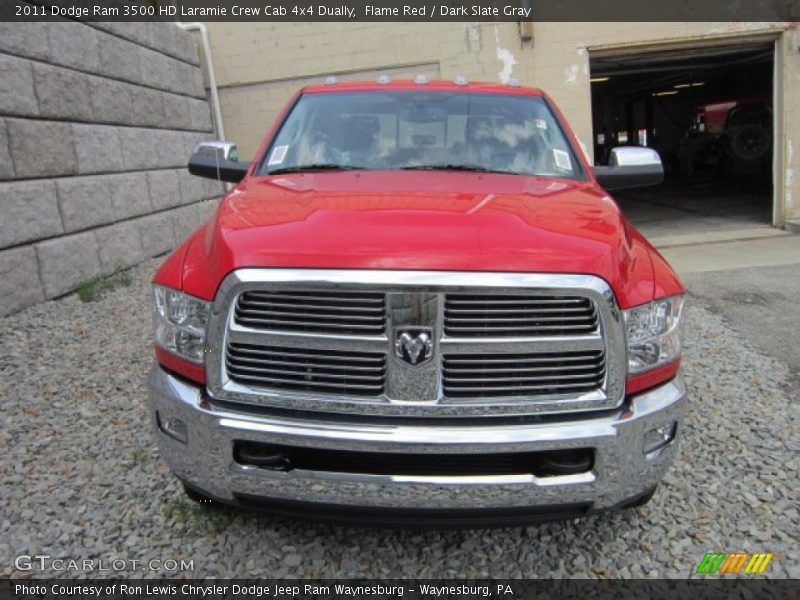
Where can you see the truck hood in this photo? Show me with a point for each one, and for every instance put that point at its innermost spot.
(421, 220)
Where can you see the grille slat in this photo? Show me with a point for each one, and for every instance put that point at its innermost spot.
(343, 313)
(517, 359)
(467, 315)
(307, 354)
(521, 300)
(297, 369)
(279, 315)
(511, 311)
(277, 364)
(493, 375)
(319, 307)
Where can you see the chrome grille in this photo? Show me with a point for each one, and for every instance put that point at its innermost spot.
(313, 312)
(536, 374)
(326, 371)
(468, 315)
(501, 343)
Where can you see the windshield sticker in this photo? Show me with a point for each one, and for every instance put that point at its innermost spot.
(562, 160)
(278, 154)
(540, 124)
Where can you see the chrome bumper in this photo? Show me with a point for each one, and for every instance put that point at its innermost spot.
(621, 469)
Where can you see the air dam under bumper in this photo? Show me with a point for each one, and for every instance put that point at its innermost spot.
(621, 470)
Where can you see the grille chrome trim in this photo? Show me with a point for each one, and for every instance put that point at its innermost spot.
(415, 298)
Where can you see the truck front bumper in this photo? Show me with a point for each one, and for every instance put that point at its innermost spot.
(197, 438)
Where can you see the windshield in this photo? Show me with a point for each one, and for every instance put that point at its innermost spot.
(422, 130)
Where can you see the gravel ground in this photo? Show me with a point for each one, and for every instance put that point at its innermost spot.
(80, 476)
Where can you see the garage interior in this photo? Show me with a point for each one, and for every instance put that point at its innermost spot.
(708, 111)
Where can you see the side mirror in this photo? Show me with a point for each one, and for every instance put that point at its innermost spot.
(631, 167)
(218, 160)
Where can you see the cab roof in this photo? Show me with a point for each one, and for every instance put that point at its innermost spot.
(432, 85)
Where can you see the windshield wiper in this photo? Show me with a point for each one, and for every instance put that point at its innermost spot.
(454, 167)
(314, 167)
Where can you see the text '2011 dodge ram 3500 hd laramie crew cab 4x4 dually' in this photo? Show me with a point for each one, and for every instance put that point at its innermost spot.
(419, 304)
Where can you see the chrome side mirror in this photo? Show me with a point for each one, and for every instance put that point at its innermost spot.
(218, 160)
(629, 156)
(219, 149)
(630, 167)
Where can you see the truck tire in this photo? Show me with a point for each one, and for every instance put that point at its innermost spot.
(749, 142)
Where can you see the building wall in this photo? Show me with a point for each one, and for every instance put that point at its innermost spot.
(96, 126)
(259, 65)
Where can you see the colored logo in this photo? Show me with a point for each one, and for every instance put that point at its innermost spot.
(734, 563)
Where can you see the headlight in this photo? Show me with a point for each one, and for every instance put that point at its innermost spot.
(180, 323)
(653, 332)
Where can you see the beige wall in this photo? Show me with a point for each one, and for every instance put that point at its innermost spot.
(259, 65)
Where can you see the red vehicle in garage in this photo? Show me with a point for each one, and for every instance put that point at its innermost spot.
(419, 304)
(733, 136)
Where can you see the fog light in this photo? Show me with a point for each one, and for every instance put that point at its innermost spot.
(657, 438)
(172, 426)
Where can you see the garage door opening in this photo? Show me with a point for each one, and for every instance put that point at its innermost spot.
(708, 111)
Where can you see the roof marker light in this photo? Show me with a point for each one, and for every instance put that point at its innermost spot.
(514, 82)
(421, 80)
(384, 79)
(460, 80)
(330, 80)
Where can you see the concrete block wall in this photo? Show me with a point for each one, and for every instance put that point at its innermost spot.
(97, 122)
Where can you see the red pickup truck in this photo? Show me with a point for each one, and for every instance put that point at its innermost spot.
(419, 305)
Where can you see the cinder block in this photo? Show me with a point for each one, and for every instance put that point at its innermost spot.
(119, 58)
(206, 209)
(118, 246)
(211, 188)
(184, 221)
(98, 148)
(187, 79)
(141, 148)
(186, 46)
(164, 188)
(147, 108)
(168, 38)
(183, 143)
(156, 233)
(194, 188)
(66, 262)
(112, 101)
(129, 194)
(28, 38)
(85, 202)
(74, 45)
(191, 186)
(156, 69)
(200, 116)
(19, 279)
(174, 147)
(29, 211)
(62, 93)
(41, 148)
(134, 31)
(178, 111)
(17, 96)
(6, 164)
(162, 37)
